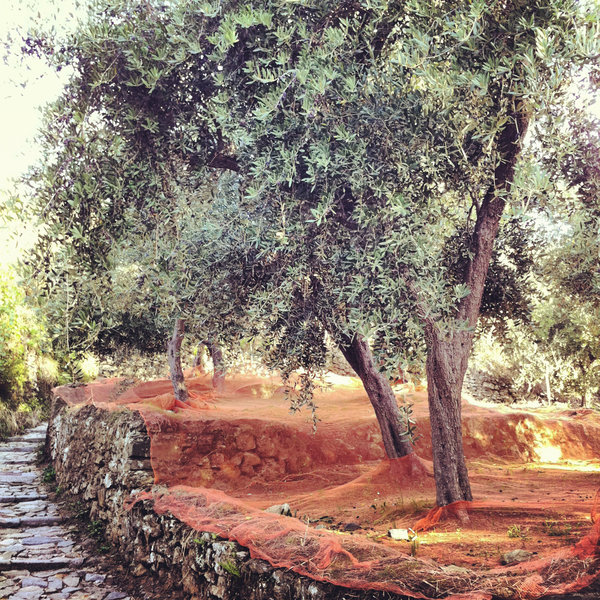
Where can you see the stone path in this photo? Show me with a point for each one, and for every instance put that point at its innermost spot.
(39, 555)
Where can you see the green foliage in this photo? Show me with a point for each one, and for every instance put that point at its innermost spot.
(13, 420)
(78, 508)
(15, 333)
(363, 142)
(96, 529)
(75, 302)
(553, 351)
(231, 568)
(376, 164)
(551, 348)
(344, 140)
(49, 475)
(557, 529)
(25, 373)
(516, 531)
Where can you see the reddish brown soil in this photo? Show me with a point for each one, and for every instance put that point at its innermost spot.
(534, 473)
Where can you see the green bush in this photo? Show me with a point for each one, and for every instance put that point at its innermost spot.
(555, 357)
(26, 375)
(89, 367)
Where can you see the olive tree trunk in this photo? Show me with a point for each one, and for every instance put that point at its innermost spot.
(198, 363)
(446, 366)
(174, 355)
(448, 354)
(219, 370)
(357, 352)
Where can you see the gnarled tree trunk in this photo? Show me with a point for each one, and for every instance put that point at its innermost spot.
(174, 355)
(446, 366)
(219, 370)
(358, 354)
(448, 354)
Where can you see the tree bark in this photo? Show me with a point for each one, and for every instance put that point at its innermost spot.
(358, 354)
(446, 366)
(219, 371)
(548, 390)
(174, 355)
(448, 354)
(198, 363)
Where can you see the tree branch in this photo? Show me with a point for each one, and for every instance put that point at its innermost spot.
(424, 310)
(222, 161)
(488, 218)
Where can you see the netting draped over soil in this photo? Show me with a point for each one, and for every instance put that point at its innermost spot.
(221, 460)
(358, 563)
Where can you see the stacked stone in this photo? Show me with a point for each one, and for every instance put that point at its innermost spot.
(488, 387)
(102, 458)
(39, 556)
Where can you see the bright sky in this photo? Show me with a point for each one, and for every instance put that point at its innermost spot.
(26, 86)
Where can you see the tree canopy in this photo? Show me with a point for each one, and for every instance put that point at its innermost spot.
(375, 147)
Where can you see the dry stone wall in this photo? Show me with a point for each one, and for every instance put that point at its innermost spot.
(102, 457)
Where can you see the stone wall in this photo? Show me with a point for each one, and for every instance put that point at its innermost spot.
(101, 457)
(487, 387)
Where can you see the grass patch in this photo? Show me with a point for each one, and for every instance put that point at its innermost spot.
(556, 529)
(14, 420)
(230, 567)
(516, 531)
(49, 474)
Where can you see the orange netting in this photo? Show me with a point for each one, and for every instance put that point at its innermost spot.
(221, 460)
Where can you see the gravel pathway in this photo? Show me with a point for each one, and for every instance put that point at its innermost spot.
(39, 554)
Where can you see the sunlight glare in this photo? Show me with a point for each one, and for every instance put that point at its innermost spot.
(548, 453)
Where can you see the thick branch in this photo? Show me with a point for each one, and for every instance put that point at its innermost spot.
(489, 215)
(198, 364)
(216, 356)
(222, 161)
(357, 352)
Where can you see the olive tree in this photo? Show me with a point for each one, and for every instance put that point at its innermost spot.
(381, 130)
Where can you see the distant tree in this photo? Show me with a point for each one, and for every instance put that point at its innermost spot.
(154, 277)
(575, 173)
(565, 298)
(22, 340)
(549, 345)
